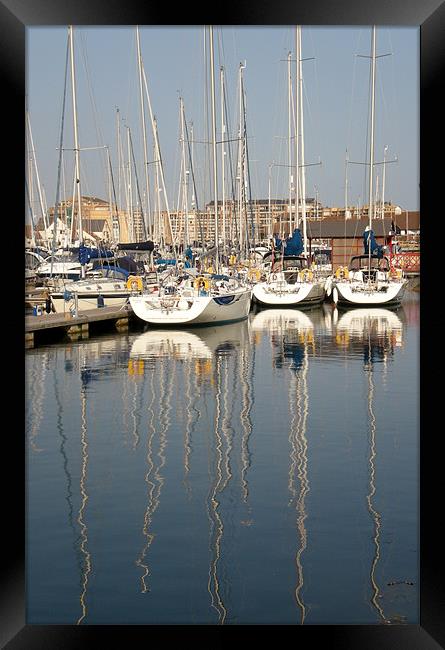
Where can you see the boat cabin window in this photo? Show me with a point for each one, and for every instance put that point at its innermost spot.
(362, 263)
(291, 276)
(297, 263)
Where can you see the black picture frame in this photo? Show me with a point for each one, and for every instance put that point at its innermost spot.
(429, 15)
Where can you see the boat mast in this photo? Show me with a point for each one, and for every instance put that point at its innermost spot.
(289, 150)
(130, 190)
(42, 206)
(76, 148)
(383, 181)
(371, 149)
(297, 136)
(303, 175)
(144, 134)
(184, 179)
(215, 178)
(223, 153)
(239, 169)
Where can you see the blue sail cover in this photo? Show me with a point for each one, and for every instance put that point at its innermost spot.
(369, 241)
(294, 244)
(165, 262)
(86, 254)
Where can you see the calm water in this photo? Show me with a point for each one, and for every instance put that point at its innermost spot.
(264, 472)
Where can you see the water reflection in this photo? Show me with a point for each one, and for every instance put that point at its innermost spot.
(207, 362)
(84, 498)
(292, 336)
(379, 331)
(189, 404)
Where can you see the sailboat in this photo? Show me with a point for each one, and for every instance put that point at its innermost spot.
(189, 298)
(291, 281)
(369, 279)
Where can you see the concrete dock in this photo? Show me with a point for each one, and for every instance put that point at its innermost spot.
(52, 327)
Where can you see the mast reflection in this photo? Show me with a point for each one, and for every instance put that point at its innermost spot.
(379, 331)
(87, 565)
(292, 336)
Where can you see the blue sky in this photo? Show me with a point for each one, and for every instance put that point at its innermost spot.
(335, 110)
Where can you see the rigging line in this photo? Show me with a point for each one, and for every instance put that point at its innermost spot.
(113, 187)
(248, 174)
(354, 70)
(233, 220)
(141, 208)
(93, 103)
(197, 211)
(318, 131)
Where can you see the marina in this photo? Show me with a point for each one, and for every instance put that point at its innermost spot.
(221, 388)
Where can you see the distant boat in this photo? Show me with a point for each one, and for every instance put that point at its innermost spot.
(89, 293)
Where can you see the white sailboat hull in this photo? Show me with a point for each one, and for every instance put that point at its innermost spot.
(114, 293)
(360, 293)
(194, 310)
(288, 295)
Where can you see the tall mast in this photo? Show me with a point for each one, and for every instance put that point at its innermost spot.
(223, 153)
(289, 147)
(371, 149)
(184, 180)
(302, 175)
(297, 133)
(144, 135)
(76, 147)
(215, 177)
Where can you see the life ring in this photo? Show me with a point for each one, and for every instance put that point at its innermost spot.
(306, 275)
(397, 273)
(273, 277)
(254, 274)
(201, 283)
(342, 272)
(134, 283)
